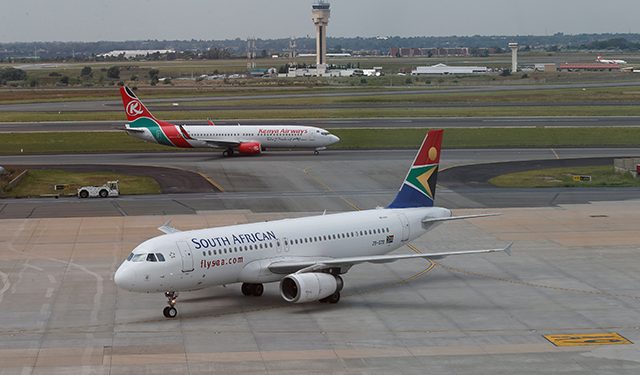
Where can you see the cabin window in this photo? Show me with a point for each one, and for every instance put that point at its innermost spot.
(270, 244)
(204, 253)
(160, 257)
(151, 257)
(138, 257)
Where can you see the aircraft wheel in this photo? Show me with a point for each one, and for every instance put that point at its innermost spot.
(246, 289)
(334, 298)
(316, 152)
(258, 289)
(170, 312)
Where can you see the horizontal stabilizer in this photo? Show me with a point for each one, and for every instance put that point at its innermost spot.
(437, 219)
(130, 129)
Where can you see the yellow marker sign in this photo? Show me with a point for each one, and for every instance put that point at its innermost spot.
(583, 339)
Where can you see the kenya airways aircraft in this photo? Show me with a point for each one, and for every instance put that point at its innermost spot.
(246, 140)
(306, 255)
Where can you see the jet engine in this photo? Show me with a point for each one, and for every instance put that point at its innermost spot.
(309, 287)
(250, 148)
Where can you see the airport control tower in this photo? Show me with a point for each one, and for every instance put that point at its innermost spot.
(320, 16)
(514, 57)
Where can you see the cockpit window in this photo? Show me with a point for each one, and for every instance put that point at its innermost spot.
(138, 257)
(160, 257)
(130, 256)
(151, 257)
(325, 133)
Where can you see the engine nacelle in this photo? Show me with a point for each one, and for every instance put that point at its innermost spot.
(250, 148)
(309, 287)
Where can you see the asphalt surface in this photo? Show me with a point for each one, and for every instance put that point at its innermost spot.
(408, 122)
(573, 272)
(301, 182)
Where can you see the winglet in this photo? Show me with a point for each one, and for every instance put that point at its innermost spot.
(210, 122)
(167, 228)
(508, 249)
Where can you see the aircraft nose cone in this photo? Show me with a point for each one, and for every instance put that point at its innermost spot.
(334, 139)
(124, 277)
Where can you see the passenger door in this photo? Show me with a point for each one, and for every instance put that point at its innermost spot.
(405, 226)
(186, 256)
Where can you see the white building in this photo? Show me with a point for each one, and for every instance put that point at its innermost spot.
(445, 69)
(130, 53)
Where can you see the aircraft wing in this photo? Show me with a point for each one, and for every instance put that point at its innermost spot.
(311, 265)
(218, 142)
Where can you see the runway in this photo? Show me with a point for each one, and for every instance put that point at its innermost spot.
(403, 122)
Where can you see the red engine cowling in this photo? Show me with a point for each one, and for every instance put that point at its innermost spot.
(250, 148)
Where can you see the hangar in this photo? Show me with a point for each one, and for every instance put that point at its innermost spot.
(446, 69)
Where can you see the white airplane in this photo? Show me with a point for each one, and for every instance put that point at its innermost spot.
(306, 255)
(246, 140)
(609, 61)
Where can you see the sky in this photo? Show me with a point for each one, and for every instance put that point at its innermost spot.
(93, 20)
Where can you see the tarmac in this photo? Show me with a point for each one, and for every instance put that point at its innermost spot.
(574, 271)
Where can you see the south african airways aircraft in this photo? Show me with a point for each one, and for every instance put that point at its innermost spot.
(245, 140)
(306, 255)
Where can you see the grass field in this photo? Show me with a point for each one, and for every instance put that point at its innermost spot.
(601, 176)
(39, 182)
(341, 113)
(76, 142)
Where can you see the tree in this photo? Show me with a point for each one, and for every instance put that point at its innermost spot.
(113, 72)
(64, 80)
(86, 72)
(12, 74)
(153, 76)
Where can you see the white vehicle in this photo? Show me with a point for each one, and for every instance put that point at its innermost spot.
(110, 189)
(306, 255)
(243, 139)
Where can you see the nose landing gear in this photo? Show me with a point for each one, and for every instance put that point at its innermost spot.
(170, 311)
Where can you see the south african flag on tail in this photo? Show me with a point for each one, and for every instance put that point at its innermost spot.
(419, 187)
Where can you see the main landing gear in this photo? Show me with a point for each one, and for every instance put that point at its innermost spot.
(228, 152)
(334, 298)
(170, 311)
(255, 290)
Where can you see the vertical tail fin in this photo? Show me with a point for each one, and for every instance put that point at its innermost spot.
(133, 107)
(419, 187)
